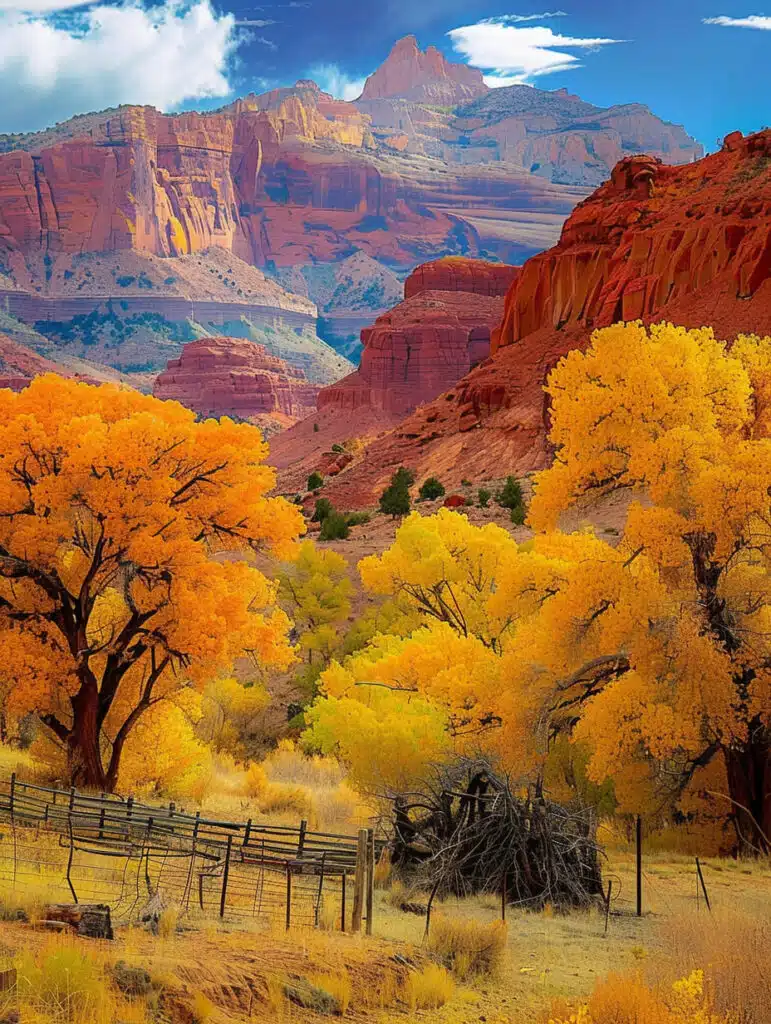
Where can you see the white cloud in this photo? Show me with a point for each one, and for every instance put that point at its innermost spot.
(332, 79)
(512, 55)
(760, 21)
(251, 22)
(517, 19)
(41, 6)
(161, 56)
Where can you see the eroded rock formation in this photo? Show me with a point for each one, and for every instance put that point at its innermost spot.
(429, 341)
(409, 73)
(235, 377)
(689, 244)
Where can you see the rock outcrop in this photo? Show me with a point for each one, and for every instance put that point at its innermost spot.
(288, 178)
(689, 244)
(429, 341)
(408, 73)
(18, 365)
(235, 377)
(420, 104)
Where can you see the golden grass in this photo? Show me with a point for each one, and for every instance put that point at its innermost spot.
(429, 988)
(469, 948)
(735, 952)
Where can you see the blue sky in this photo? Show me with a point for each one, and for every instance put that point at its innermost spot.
(701, 63)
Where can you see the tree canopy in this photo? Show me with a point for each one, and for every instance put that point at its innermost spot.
(652, 652)
(120, 517)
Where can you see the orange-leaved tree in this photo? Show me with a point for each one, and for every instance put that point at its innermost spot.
(120, 522)
(653, 652)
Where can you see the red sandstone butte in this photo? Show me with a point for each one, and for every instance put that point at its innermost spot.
(235, 377)
(429, 341)
(688, 244)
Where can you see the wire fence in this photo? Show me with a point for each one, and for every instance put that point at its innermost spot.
(75, 847)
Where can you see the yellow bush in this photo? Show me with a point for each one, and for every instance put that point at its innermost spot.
(256, 780)
(619, 999)
(279, 798)
(429, 989)
(468, 948)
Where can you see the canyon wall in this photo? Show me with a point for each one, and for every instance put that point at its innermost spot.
(688, 244)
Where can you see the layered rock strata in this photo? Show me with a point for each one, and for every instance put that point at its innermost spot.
(237, 378)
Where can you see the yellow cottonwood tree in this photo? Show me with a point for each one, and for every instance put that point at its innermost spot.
(113, 506)
(655, 653)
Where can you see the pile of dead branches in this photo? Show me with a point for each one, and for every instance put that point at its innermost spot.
(472, 832)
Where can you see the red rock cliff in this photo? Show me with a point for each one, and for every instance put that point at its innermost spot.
(689, 244)
(235, 377)
(429, 341)
(291, 177)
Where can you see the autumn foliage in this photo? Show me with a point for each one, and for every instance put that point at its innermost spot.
(120, 517)
(654, 654)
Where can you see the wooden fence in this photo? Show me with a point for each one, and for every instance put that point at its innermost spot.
(123, 852)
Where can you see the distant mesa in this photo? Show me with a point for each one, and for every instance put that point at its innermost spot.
(235, 377)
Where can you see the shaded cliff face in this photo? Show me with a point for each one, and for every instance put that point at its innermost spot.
(235, 377)
(689, 244)
(429, 341)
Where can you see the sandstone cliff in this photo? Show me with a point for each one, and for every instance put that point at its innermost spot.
(235, 377)
(409, 73)
(429, 341)
(689, 244)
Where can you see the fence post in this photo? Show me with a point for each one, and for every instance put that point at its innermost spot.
(370, 878)
(72, 798)
(321, 886)
(13, 791)
(358, 881)
(197, 823)
(101, 823)
(225, 874)
(342, 902)
(638, 831)
(607, 904)
(703, 886)
(288, 895)
(247, 832)
(301, 840)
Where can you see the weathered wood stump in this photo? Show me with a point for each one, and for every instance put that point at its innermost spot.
(91, 920)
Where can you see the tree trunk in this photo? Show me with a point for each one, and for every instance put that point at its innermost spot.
(748, 768)
(84, 751)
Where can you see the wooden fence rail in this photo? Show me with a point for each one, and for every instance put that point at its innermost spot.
(236, 864)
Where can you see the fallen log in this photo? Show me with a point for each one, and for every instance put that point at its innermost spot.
(91, 920)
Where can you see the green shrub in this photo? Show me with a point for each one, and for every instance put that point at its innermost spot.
(334, 527)
(511, 494)
(315, 480)
(431, 489)
(357, 518)
(322, 510)
(483, 497)
(338, 449)
(518, 515)
(395, 499)
(465, 483)
(315, 428)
